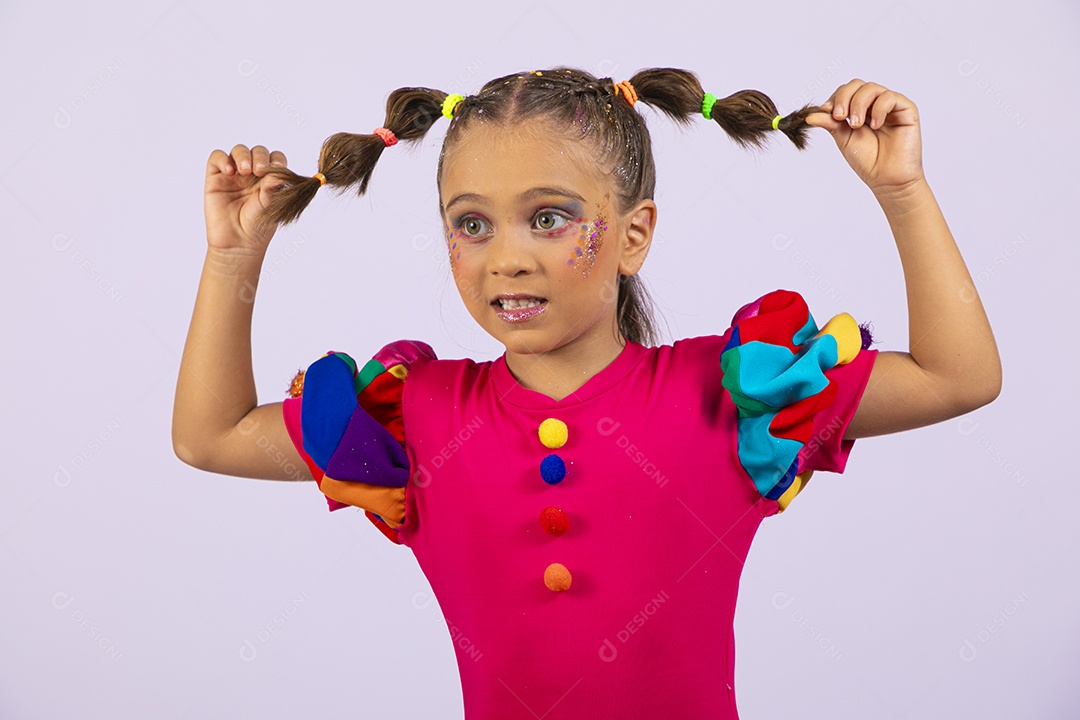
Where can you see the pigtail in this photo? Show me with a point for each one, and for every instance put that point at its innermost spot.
(634, 311)
(747, 116)
(347, 159)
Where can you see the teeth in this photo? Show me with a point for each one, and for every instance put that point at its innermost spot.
(509, 304)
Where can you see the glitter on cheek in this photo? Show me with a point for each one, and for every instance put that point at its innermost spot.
(590, 240)
(576, 252)
(453, 251)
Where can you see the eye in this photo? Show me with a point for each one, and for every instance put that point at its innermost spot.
(550, 220)
(472, 226)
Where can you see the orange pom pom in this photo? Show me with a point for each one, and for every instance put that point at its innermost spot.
(296, 387)
(557, 577)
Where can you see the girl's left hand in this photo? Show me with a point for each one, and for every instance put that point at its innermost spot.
(880, 139)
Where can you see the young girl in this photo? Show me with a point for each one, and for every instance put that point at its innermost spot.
(582, 506)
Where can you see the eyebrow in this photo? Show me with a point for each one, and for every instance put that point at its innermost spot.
(530, 194)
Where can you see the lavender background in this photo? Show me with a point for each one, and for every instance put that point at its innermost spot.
(937, 578)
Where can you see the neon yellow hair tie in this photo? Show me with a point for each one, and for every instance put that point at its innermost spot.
(706, 105)
(776, 122)
(450, 103)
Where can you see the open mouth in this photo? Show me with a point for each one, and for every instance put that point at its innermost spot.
(518, 303)
(519, 309)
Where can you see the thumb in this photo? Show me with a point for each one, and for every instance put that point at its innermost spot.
(824, 120)
(272, 181)
(268, 187)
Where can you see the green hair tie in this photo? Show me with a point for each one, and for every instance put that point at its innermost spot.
(706, 105)
(450, 103)
(776, 122)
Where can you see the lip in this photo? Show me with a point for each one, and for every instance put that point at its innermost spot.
(516, 296)
(517, 315)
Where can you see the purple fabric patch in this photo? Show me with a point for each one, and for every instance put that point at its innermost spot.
(368, 453)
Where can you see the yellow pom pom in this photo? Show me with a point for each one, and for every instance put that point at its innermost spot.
(845, 331)
(553, 433)
(557, 577)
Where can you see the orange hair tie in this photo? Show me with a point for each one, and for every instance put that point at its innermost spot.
(388, 136)
(627, 90)
(321, 178)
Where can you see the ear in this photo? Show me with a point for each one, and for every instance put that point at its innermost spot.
(637, 238)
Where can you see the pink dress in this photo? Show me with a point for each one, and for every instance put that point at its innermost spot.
(589, 568)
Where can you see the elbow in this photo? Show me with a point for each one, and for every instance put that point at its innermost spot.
(989, 387)
(186, 453)
(182, 446)
(190, 451)
(978, 391)
(992, 390)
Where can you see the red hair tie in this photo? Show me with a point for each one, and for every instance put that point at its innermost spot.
(627, 90)
(388, 136)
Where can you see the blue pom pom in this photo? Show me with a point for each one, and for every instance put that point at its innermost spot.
(552, 469)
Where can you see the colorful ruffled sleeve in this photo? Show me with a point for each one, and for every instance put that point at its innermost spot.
(346, 420)
(796, 388)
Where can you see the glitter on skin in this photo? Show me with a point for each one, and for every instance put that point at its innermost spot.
(453, 246)
(589, 242)
(576, 252)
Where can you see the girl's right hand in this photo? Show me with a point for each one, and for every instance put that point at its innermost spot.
(237, 191)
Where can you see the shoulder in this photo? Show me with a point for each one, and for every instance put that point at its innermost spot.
(399, 353)
(783, 318)
(796, 387)
(682, 359)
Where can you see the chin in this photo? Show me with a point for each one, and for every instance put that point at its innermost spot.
(520, 346)
(527, 343)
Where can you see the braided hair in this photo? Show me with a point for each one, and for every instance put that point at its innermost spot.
(592, 108)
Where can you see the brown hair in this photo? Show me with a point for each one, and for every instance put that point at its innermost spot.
(570, 98)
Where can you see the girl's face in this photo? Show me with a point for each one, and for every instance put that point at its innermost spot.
(529, 216)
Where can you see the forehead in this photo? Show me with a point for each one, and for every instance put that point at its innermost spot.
(496, 160)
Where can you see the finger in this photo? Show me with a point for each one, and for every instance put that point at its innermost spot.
(260, 160)
(269, 183)
(826, 121)
(241, 155)
(219, 162)
(842, 96)
(894, 108)
(859, 106)
(277, 159)
(879, 111)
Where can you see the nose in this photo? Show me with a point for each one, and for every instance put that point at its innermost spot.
(511, 254)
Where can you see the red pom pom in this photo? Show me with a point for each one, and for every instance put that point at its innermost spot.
(554, 520)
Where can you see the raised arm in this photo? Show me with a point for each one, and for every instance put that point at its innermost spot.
(952, 365)
(217, 423)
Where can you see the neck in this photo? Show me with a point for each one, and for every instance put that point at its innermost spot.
(559, 373)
